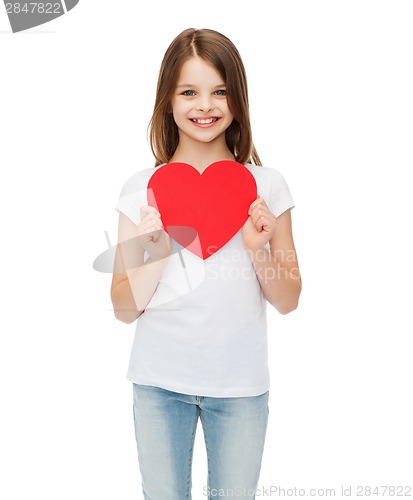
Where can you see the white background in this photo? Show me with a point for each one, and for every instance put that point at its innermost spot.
(331, 103)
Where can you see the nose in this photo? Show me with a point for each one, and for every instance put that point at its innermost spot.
(204, 104)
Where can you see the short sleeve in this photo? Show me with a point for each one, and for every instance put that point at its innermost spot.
(280, 198)
(133, 196)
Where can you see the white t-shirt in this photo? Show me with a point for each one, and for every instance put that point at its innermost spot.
(204, 332)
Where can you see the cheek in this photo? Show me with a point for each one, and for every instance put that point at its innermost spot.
(176, 113)
(229, 117)
(180, 109)
(228, 112)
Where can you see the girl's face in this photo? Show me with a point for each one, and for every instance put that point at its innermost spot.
(199, 103)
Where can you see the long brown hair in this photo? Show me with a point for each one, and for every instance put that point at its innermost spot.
(221, 53)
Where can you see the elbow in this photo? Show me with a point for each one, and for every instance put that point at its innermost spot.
(124, 314)
(124, 310)
(288, 304)
(285, 309)
(290, 300)
(127, 317)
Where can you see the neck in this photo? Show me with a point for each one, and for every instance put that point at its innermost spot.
(201, 155)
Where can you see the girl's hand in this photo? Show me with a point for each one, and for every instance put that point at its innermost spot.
(151, 234)
(260, 225)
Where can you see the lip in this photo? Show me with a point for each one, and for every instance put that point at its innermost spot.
(214, 119)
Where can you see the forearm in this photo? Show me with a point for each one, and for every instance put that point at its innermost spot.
(280, 286)
(124, 303)
(137, 281)
(144, 281)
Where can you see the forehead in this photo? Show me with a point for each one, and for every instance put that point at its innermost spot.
(198, 70)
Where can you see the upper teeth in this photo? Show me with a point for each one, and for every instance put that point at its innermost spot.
(209, 120)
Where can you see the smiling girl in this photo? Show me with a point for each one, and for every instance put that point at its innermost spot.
(201, 352)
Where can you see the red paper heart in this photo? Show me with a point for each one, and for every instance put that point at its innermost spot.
(215, 203)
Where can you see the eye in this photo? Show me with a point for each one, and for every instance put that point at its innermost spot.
(189, 93)
(221, 92)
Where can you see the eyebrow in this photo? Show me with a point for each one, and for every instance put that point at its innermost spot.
(192, 85)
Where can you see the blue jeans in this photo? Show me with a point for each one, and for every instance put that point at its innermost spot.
(165, 426)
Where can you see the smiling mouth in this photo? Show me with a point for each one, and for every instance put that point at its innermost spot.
(204, 121)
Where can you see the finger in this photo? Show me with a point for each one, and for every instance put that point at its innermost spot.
(259, 202)
(258, 212)
(150, 227)
(145, 210)
(252, 206)
(151, 217)
(260, 224)
(265, 223)
(149, 209)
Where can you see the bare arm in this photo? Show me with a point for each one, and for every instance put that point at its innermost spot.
(134, 280)
(277, 270)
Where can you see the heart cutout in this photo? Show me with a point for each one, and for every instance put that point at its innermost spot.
(214, 203)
